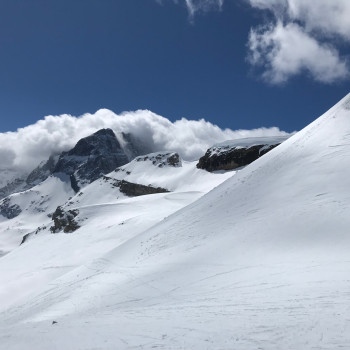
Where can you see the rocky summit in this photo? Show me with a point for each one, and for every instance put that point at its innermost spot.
(92, 156)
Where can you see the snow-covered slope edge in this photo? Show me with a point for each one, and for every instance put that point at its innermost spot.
(259, 262)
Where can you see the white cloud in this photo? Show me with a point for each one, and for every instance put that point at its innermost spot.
(287, 50)
(328, 17)
(298, 40)
(194, 6)
(197, 6)
(24, 149)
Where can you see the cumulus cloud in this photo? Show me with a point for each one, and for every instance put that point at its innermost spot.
(327, 17)
(286, 50)
(299, 39)
(314, 25)
(27, 147)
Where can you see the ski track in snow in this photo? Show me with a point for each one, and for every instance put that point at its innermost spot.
(260, 262)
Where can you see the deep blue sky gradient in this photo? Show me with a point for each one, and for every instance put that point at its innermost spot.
(77, 56)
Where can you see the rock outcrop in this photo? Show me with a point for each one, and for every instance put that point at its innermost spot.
(237, 153)
(161, 159)
(64, 220)
(9, 210)
(131, 189)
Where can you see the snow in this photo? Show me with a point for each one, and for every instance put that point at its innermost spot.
(112, 219)
(180, 178)
(259, 262)
(247, 143)
(35, 204)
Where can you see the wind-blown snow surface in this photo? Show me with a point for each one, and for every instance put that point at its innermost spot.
(260, 262)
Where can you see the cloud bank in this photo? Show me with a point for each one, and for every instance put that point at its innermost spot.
(24, 149)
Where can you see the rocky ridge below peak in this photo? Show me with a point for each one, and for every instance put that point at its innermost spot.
(161, 159)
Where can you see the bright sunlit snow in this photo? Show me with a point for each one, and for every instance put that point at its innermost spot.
(259, 262)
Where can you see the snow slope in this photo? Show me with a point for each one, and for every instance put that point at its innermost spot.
(108, 219)
(183, 178)
(260, 262)
(35, 205)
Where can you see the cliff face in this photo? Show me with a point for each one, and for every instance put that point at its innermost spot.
(92, 156)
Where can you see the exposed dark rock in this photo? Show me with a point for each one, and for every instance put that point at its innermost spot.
(28, 235)
(25, 237)
(64, 220)
(92, 156)
(74, 183)
(161, 159)
(9, 211)
(230, 156)
(133, 190)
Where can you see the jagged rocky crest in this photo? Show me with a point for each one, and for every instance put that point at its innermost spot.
(92, 156)
(161, 159)
(237, 153)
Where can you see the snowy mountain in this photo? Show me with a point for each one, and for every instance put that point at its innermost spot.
(248, 259)
(24, 182)
(89, 159)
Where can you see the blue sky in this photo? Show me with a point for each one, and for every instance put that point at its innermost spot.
(193, 60)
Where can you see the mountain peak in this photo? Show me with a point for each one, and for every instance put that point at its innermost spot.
(91, 157)
(106, 131)
(100, 142)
